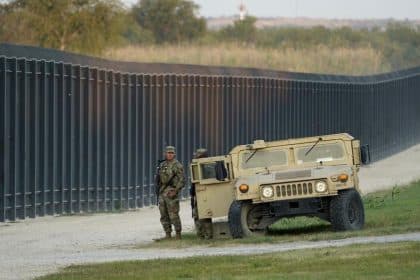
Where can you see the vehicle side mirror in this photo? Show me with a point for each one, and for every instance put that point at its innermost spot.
(221, 172)
(365, 154)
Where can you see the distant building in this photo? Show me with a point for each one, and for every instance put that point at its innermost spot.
(242, 11)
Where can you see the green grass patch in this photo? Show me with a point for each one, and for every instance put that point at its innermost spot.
(387, 212)
(373, 261)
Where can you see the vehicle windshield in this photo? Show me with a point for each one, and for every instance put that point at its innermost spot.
(263, 158)
(320, 153)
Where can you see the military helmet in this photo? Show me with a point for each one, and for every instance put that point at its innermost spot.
(170, 149)
(200, 153)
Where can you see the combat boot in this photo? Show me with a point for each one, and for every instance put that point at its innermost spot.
(167, 237)
(178, 235)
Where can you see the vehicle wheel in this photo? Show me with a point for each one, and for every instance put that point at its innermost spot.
(246, 219)
(346, 211)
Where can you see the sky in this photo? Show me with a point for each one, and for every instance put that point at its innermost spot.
(340, 9)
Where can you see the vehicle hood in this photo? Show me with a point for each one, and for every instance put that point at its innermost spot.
(292, 175)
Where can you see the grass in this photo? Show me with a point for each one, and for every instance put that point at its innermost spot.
(373, 261)
(387, 212)
(317, 59)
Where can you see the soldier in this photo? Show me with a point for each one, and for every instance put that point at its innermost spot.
(171, 181)
(203, 227)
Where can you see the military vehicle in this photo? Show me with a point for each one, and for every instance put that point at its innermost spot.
(257, 184)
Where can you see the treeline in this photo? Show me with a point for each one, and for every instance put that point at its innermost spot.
(92, 26)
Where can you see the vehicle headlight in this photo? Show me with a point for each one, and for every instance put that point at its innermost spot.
(267, 191)
(320, 186)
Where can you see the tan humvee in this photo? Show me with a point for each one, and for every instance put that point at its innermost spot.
(257, 184)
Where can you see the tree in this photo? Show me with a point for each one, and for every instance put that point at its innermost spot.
(133, 33)
(241, 30)
(11, 29)
(170, 20)
(78, 25)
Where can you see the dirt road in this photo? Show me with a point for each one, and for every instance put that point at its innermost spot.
(399, 169)
(37, 247)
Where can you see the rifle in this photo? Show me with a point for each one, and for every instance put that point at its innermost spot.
(157, 180)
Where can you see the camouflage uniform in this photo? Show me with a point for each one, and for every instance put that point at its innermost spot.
(172, 179)
(203, 227)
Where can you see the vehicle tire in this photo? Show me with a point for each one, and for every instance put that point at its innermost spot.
(241, 216)
(347, 211)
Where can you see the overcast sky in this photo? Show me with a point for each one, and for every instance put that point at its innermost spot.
(399, 9)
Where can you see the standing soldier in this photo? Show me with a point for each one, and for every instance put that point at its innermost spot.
(203, 227)
(171, 181)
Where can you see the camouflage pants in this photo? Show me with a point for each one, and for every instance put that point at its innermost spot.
(169, 213)
(203, 227)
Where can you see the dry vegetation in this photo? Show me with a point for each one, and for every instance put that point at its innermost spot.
(319, 59)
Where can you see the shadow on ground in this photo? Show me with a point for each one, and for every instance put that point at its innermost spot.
(299, 230)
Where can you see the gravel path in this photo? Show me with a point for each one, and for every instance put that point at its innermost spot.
(36, 247)
(50, 263)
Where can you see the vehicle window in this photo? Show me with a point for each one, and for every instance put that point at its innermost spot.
(208, 170)
(194, 174)
(321, 152)
(263, 158)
